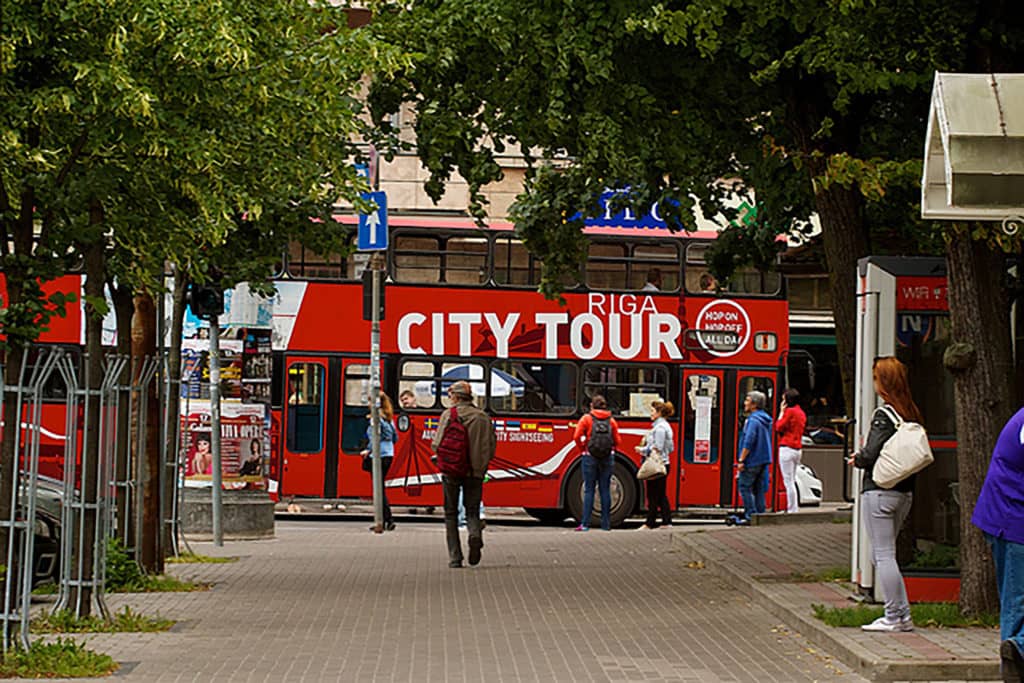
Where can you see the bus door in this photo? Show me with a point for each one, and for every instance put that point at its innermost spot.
(304, 452)
(747, 381)
(702, 400)
(346, 477)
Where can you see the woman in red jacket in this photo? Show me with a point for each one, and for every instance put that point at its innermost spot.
(790, 429)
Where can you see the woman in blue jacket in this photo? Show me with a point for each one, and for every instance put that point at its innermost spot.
(388, 439)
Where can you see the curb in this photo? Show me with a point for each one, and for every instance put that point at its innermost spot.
(850, 653)
(803, 517)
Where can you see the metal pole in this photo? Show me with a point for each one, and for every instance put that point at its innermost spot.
(376, 263)
(218, 530)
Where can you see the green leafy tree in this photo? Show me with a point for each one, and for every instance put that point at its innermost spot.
(818, 107)
(151, 132)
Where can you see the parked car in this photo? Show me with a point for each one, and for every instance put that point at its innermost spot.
(47, 529)
(808, 486)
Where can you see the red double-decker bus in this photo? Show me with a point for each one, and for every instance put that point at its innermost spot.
(461, 303)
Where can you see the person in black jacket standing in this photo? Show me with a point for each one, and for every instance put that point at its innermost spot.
(885, 510)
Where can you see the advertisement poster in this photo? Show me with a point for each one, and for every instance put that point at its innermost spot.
(195, 368)
(245, 444)
(702, 430)
(257, 364)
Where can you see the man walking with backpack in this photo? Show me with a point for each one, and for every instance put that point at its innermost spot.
(464, 445)
(597, 436)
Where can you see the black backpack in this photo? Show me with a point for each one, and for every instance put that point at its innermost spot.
(601, 442)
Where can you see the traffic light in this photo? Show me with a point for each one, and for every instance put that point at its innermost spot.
(368, 276)
(206, 300)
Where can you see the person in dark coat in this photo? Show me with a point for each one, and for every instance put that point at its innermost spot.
(482, 444)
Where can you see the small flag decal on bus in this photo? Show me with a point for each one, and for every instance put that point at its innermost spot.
(511, 425)
(430, 423)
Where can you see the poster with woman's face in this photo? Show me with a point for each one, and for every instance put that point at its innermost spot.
(244, 445)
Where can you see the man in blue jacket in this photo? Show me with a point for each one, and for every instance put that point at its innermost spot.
(999, 512)
(755, 455)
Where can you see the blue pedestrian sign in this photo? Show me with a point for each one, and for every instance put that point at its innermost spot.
(373, 228)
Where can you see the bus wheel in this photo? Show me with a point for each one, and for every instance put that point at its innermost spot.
(547, 515)
(623, 490)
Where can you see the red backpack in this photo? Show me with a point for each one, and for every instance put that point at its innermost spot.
(453, 451)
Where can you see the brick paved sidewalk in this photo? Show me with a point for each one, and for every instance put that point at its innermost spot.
(328, 601)
(763, 561)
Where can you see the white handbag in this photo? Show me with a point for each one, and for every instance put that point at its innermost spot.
(652, 467)
(906, 452)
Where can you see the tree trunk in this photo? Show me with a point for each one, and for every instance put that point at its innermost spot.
(980, 361)
(173, 446)
(123, 310)
(144, 346)
(95, 278)
(10, 431)
(845, 240)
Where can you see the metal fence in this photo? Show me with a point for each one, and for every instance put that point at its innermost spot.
(90, 515)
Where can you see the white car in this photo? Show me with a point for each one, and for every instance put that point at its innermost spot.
(808, 486)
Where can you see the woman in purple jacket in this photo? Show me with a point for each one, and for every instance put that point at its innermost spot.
(999, 513)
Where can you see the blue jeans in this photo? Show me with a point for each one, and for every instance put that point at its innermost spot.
(597, 471)
(753, 483)
(1009, 560)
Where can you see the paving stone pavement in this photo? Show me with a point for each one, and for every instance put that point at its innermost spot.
(329, 601)
(762, 562)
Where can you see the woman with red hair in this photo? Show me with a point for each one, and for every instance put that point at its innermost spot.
(885, 510)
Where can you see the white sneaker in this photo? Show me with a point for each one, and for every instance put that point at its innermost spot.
(884, 625)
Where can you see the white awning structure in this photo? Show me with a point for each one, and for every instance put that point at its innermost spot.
(974, 152)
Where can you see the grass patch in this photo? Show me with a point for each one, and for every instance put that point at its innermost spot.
(125, 576)
(46, 589)
(124, 621)
(61, 659)
(830, 575)
(933, 614)
(160, 583)
(190, 558)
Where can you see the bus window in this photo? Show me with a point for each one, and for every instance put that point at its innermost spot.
(629, 389)
(607, 265)
(622, 265)
(471, 372)
(305, 408)
(465, 261)
(305, 263)
(747, 384)
(745, 280)
(513, 264)
(417, 378)
(355, 414)
(650, 256)
(701, 419)
(530, 387)
(416, 259)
